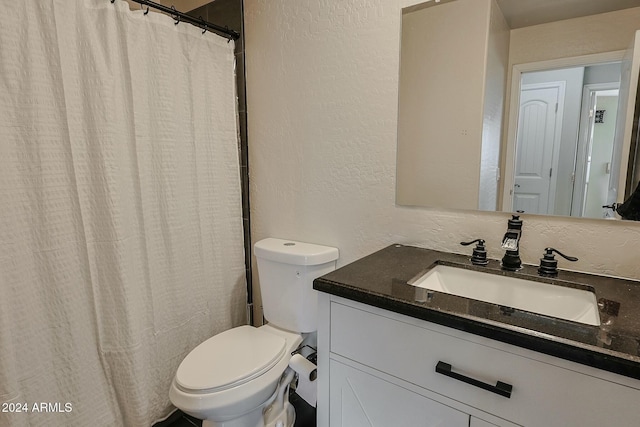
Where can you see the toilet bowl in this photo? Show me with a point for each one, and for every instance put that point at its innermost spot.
(238, 378)
(228, 379)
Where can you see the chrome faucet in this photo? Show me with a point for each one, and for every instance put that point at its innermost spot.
(511, 243)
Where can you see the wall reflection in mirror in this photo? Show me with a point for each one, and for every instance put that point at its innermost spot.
(520, 105)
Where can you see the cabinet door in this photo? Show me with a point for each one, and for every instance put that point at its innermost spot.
(359, 399)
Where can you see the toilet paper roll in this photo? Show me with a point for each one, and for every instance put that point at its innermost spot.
(307, 374)
(303, 367)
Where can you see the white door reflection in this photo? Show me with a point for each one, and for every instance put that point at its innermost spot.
(539, 138)
(554, 159)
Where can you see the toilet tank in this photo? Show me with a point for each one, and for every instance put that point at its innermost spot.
(286, 270)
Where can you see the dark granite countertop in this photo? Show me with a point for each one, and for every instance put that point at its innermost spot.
(380, 280)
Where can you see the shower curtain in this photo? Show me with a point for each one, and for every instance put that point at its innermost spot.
(120, 212)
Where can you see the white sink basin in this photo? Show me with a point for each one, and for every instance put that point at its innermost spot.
(556, 301)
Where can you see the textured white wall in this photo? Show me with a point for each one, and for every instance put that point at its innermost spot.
(493, 110)
(322, 90)
(574, 37)
(428, 93)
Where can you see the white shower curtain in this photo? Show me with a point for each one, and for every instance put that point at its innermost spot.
(120, 212)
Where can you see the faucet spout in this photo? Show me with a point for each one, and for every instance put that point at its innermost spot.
(511, 240)
(511, 244)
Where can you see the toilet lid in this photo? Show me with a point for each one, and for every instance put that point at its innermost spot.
(229, 359)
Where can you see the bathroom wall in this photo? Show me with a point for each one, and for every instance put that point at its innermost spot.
(185, 5)
(322, 92)
(493, 110)
(582, 36)
(427, 33)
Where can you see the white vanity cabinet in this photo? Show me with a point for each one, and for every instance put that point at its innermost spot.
(377, 367)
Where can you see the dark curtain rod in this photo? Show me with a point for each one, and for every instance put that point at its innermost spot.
(198, 22)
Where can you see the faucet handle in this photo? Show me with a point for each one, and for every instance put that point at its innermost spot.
(549, 263)
(479, 256)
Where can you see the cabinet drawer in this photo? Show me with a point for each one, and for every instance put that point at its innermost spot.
(542, 394)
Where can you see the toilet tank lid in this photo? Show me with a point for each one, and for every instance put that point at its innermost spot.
(293, 252)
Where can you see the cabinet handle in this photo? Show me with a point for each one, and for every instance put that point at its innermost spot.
(503, 389)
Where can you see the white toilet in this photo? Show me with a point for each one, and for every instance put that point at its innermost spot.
(237, 378)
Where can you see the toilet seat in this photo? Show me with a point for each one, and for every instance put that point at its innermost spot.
(230, 359)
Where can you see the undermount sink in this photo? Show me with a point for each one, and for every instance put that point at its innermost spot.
(562, 302)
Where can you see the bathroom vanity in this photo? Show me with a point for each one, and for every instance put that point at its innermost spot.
(391, 353)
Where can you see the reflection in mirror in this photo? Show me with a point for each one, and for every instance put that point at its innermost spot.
(564, 143)
(451, 94)
(478, 126)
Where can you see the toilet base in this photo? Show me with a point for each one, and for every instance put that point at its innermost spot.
(285, 418)
(275, 412)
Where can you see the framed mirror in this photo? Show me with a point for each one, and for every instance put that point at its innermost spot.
(518, 105)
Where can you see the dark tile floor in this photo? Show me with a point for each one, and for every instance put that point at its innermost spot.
(305, 413)
(179, 419)
(305, 416)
